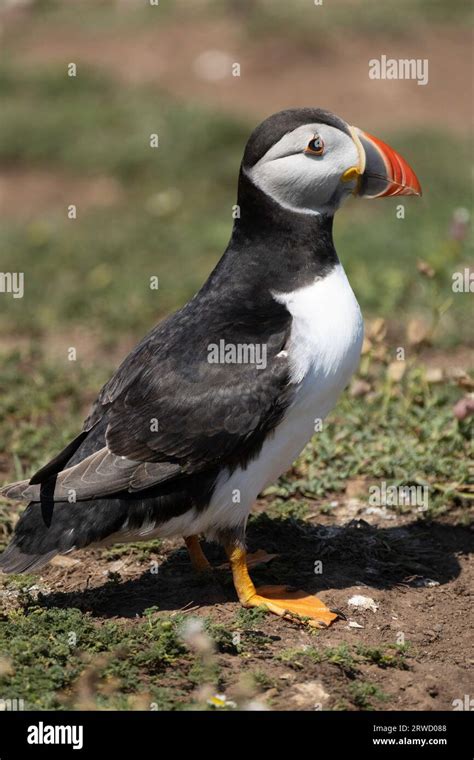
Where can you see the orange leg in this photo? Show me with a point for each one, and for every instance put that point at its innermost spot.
(277, 599)
(198, 558)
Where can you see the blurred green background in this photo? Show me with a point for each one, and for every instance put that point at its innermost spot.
(140, 212)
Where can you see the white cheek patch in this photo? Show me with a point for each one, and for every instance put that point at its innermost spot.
(304, 183)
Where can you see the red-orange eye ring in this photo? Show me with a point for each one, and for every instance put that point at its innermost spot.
(315, 146)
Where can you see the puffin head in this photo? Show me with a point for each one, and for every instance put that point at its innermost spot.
(308, 160)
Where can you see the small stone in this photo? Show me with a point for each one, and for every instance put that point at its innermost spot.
(363, 602)
(310, 693)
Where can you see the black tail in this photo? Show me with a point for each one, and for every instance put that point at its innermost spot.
(45, 530)
(49, 527)
(14, 560)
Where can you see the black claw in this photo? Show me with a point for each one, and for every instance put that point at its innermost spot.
(337, 612)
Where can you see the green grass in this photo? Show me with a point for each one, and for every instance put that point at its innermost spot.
(86, 124)
(141, 550)
(392, 656)
(250, 618)
(364, 693)
(47, 652)
(401, 433)
(349, 658)
(41, 406)
(361, 693)
(342, 656)
(263, 681)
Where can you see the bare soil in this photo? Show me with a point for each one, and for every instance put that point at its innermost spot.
(419, 575)
(28, 193)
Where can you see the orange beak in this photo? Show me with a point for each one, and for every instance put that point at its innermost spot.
(381, 171)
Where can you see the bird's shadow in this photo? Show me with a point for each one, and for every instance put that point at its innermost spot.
(310, 556)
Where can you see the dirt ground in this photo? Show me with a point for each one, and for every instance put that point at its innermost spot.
(419, 575)
(26, 193)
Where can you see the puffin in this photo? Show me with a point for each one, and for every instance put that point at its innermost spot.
(220, 398)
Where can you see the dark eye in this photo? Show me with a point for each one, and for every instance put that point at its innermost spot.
(315, 146)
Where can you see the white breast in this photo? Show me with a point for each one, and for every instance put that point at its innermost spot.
(323, 351)
(326, 334)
